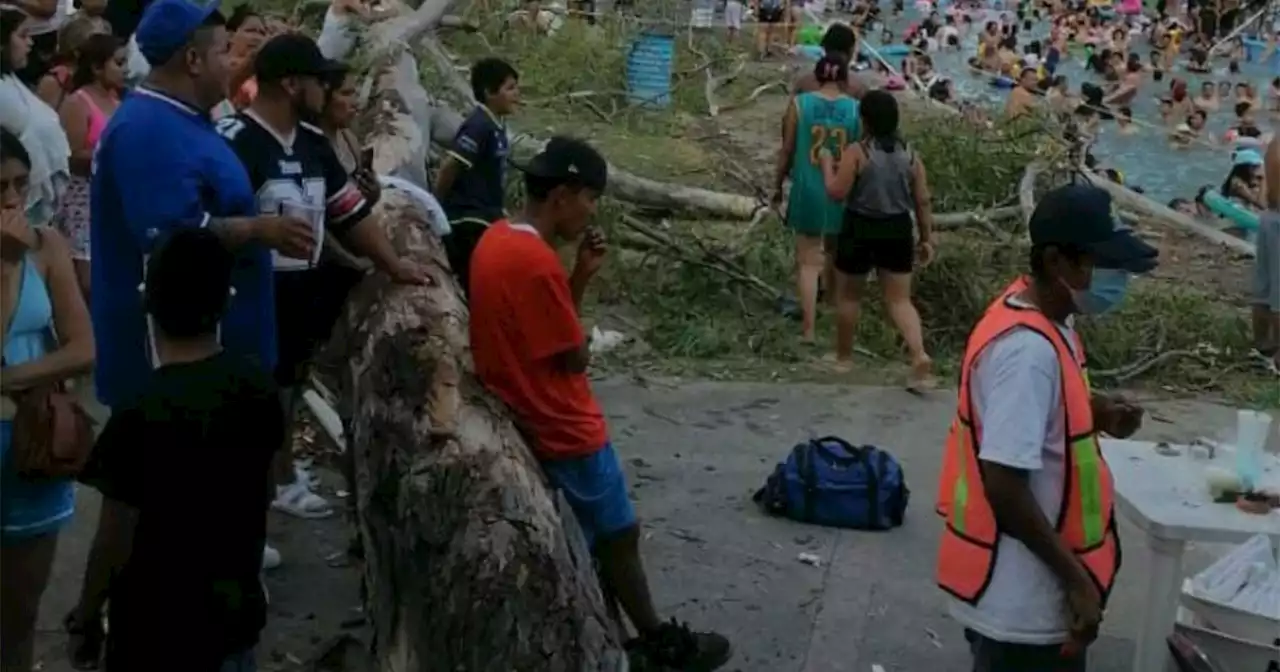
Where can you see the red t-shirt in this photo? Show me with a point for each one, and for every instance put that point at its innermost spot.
(522, 317)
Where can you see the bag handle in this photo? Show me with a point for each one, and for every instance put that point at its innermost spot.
(856, 453)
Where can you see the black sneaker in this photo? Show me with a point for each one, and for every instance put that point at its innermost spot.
(674, 648)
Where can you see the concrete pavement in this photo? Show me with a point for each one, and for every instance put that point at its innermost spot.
(695, 452)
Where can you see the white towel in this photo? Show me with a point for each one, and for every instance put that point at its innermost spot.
(38, 127)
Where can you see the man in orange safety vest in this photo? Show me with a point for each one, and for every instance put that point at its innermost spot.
(1030, 549)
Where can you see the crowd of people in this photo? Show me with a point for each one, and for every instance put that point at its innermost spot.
(191, 241)
(185, 209)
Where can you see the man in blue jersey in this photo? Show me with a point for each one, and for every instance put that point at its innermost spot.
(159, 166)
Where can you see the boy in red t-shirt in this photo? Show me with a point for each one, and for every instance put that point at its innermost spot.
(530, 350)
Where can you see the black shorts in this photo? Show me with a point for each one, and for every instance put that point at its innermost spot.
(463, 237)
(308, 304)
(770, 15)
(883, 243)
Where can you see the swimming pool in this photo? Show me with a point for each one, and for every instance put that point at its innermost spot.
(1146, 158)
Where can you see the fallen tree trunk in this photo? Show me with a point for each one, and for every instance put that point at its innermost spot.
(623, 185)
(471, 563)
(1132, 200)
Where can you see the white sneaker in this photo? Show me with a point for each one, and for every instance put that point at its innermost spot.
(296, 499)
(270, 557)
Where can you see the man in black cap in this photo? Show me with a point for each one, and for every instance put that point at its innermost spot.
(1023, 478)
(530, 350)
(294, 170)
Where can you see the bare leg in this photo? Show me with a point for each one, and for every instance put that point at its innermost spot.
(809, 264)
(623, 573)
(1266, 336)
(112, 543)
(848, 306)
(829, 269)
(25, 566)
(897, 298)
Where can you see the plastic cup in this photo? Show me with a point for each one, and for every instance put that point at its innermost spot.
(1252, 428)
(312, 215)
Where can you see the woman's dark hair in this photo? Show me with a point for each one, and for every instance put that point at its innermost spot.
(11, 148)
(238, 17)
(1242, 107)
(839, 38)
(1241, 171)
(11, 18)
(188, 283)
(939, 91)
(95, 53)
(1199, 199)
(488, 75)
(831, 68)
(333, 80)
(880, 119)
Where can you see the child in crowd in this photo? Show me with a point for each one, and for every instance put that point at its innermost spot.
(54, 86)
(215, 418)
(531, 351)
(471, 183)
(93, 11)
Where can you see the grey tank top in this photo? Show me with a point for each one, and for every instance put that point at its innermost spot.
(883, 186)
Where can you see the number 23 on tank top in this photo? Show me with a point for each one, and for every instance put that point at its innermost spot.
(834, 138)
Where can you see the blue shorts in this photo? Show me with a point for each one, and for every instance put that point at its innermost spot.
(596, 489)
(30, 508)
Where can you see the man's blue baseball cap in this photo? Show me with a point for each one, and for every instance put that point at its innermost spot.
(168, 25)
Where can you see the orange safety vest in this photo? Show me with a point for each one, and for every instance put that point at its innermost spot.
(1086, 519)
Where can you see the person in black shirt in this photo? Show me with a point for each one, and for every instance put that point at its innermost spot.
(189, 597)
(471, 183)
(293, 167)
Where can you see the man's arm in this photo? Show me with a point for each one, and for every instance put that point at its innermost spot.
(39, 9)
(1017, 382)
(469, 146)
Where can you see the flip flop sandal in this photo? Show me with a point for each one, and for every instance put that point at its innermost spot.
(84, 645)
(298, 500)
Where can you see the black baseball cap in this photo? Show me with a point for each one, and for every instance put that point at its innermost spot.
(292, 55)
(571, 160)
(1081, 215)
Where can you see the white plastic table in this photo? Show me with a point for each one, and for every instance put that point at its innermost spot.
(1167, 498)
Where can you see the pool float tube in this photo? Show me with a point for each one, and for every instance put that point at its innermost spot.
(887, 50)
(1004, 82)
(810, 35)
(1230, 210)
(1130, 7)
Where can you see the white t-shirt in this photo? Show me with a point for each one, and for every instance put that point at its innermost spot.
(1017, 397)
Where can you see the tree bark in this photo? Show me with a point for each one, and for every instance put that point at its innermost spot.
(470, 563)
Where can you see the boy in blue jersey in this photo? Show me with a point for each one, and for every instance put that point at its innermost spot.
(816, 120)
(471, 184)
(160, 166)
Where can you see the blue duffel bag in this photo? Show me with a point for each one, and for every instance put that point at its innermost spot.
(829, 482)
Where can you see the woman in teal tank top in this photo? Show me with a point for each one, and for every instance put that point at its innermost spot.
(823, 119)
(46, 338)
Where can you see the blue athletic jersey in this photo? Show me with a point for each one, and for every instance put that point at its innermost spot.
(159, 166)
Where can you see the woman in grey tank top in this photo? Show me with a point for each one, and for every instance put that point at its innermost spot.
(882, 183)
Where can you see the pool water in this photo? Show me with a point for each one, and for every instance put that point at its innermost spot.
(1146, 158)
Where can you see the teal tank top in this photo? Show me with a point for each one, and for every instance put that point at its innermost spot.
(820, 123)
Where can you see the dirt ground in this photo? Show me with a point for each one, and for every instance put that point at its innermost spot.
(694, 453)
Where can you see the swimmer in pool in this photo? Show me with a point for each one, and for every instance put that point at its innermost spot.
(1178, 96)
(1166, 111)
(1244, 182)
(1246, 94)
(1224, 91)
(1022, 98)
(1127, 89)
(1188, 132)
(1207, 101)
(1273, 95)
(1124, 122)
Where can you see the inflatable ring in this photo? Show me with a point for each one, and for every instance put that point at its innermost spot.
(887, 50)
(1004, 82)
(810, 35)
(1228, 209)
